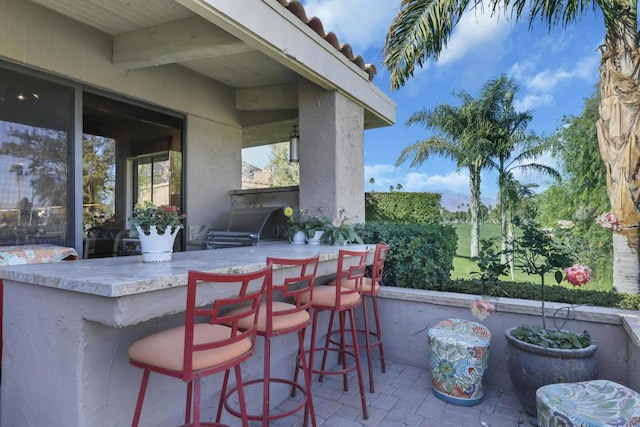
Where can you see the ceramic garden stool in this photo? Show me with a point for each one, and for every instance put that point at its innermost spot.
(459, 355)
(596, 403)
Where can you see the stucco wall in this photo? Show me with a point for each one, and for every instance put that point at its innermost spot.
(407, 315)
(213, 167)
(331, 156)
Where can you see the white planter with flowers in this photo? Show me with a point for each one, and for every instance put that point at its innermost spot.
(157, 228)
(299, 238)
(156, 247)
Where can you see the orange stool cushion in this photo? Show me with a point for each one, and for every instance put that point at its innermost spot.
(166, 349)
(351, 284)
(325, 296)
(279, 322)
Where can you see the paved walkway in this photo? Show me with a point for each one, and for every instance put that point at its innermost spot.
(403, 397)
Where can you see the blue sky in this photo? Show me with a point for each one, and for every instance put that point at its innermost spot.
(556, 71)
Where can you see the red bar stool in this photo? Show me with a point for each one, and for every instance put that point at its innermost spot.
(278, 318)
(196, 350)
(341, 300)
(371, 289)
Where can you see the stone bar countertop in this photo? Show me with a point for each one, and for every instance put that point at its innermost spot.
(124, 276)
(70, 324)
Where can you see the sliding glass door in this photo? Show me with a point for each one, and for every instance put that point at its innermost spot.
(130, 153)
(36, 131)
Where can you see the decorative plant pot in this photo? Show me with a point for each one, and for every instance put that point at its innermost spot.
(531, 366)
(299, 238)
(156, 247)
(315, 240)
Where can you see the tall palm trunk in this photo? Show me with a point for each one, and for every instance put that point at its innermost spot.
(474, 206)
(618, 131)
(504, 224)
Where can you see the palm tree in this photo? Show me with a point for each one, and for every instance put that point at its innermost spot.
(421, 29)
(460, 137)
(512, 148)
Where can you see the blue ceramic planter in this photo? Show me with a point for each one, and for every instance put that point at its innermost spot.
(531, 366)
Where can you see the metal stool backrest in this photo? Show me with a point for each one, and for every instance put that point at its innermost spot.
(351, 266)
(382, 250)
(297, 283)
(250, 290)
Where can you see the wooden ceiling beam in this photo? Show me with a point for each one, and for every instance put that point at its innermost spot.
(179, 41)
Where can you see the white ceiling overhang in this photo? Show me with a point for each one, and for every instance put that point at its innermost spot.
(257, 47)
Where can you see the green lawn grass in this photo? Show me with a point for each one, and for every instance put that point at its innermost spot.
(463, 267)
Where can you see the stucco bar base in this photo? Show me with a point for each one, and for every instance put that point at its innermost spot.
(67, 327)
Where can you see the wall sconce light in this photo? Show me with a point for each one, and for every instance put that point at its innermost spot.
(293, 145)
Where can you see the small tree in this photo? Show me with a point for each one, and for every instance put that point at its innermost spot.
(537, 253)
(283, 172)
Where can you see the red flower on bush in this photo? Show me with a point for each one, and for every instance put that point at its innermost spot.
(578, 274)
(481, 308)
(608, 221)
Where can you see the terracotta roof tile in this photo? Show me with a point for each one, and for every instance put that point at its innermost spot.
(295, 7)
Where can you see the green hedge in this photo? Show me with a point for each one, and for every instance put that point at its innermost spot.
(420, 255)
(404, 208)
(531, 291)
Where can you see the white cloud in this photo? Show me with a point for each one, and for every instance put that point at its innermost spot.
(374, 171)
(530, 102)
(452, 181)
(542, 85)
(386, 176)
(476, 32)
(367, 30)
(547, 80)
(521, 70)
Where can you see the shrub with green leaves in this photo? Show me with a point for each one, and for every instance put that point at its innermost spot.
(403, 208)
(554, 293)
(420, 255)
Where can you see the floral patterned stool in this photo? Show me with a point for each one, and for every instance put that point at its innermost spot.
(459, 355)
(596, 403)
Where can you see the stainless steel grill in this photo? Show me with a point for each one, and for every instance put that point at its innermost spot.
(246, 227)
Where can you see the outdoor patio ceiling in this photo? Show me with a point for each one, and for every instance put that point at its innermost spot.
(226, 45)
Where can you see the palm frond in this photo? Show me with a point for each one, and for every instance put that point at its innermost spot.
(419, 31)
(539, 169)
(422, 28)
(420, 151)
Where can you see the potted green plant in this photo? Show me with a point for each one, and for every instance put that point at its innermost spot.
(302, 227)
(537, 355)
(295, 227)
(314, 228)
(156, 227)
(340, 231)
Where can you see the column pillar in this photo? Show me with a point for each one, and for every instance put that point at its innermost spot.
(331, 154)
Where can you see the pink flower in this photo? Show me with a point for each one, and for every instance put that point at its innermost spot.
(336, 222)
(482, 308)
(609, 221)
(578, 274)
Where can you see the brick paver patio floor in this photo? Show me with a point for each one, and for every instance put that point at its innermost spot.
(403, 397)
